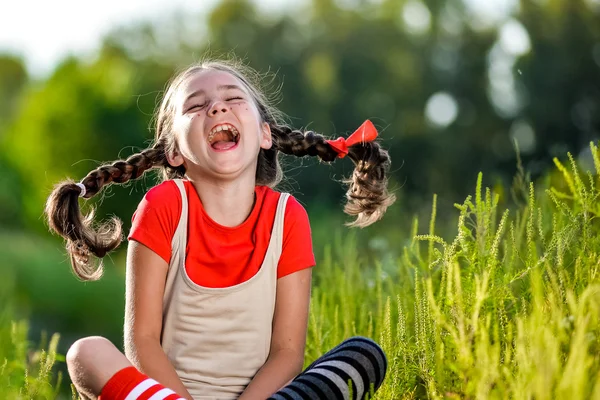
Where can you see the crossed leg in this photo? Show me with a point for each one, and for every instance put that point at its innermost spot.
(92, 361)
(97, 368)
(352, 370)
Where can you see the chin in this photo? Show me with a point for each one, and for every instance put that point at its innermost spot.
(227, 171)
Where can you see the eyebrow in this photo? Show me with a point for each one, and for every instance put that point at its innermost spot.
(220, 87)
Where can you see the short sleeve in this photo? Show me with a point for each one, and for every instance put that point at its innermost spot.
(297, 252)
(155, 219)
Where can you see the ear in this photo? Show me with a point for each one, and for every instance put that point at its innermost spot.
(175, 158)
(266, 140)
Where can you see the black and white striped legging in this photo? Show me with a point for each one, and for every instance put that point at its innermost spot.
(351, 370)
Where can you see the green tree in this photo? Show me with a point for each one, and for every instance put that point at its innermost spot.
(83, 115)
(339, 64)
(13, 80)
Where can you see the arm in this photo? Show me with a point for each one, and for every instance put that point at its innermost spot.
(145, 283)
(288, 340)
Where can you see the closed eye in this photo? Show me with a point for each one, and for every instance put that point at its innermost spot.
(203, 105)
(196, 107)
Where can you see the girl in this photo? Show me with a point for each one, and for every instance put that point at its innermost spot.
(219, 264)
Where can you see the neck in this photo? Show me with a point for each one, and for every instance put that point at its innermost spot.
(228, 203)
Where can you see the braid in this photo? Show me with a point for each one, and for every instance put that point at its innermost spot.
(65, 218)
(122, 171)
(300, 144)
(367, 195)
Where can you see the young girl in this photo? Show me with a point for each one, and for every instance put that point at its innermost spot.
(219, 264)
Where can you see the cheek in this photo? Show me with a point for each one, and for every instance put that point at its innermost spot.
(194, 122)
(185, 131)
(239, 106)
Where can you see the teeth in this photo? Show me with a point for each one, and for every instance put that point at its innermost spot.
(220, 128)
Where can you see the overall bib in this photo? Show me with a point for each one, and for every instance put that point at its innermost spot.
(218, 338)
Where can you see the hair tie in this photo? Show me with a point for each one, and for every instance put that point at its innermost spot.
(365, 133)
(82, 187)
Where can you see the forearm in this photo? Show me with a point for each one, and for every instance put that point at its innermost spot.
(149, 357)
(279, 369)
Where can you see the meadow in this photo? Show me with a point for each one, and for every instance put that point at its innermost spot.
(508, 308)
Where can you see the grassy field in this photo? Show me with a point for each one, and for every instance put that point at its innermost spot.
(507, 309)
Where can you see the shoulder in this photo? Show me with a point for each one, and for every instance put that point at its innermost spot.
(297, 251)
(156, 218)
(293, 209)
(162, 194)
(162, 202)
(165, 197)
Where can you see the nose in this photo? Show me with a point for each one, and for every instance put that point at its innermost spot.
(217, 108)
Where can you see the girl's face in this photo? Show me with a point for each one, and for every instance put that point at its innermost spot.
(217, 127)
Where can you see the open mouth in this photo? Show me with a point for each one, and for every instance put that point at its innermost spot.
(223, 137)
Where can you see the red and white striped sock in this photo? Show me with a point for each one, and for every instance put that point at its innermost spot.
(131, 384)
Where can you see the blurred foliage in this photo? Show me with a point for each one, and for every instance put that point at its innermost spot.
(26, 368)
(449, 88)
(339, 65)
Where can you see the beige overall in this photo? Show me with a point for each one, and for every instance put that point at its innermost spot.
(218, 338)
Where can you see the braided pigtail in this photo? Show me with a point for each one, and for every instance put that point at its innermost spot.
(65, 218)
(367, 195)
(300, 144)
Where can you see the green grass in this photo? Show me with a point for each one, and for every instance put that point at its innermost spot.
(507, 309)
(25, 373)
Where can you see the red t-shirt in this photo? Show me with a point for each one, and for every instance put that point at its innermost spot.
(216, 255)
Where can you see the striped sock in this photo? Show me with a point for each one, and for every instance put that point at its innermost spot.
(353, 370)
(131, 384)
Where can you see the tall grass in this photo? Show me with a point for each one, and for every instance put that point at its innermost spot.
(507, 309)
(25, 373)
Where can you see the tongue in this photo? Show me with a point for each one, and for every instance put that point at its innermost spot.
(223, 145)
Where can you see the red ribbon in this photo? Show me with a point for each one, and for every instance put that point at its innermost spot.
(365, 133)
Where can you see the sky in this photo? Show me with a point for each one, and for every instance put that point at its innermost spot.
(45, 31)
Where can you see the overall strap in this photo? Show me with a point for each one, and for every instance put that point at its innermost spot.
(277, 232)
(178, 244)
(180, 237)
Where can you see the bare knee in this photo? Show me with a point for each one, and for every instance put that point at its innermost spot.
(92, 361)
(84, 349)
